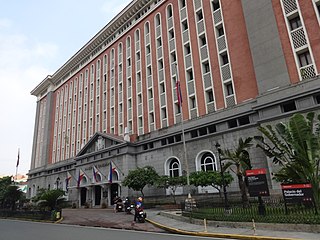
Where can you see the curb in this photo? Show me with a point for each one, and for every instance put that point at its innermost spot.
(218, 235)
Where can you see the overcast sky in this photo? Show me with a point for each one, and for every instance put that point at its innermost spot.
(36, 38)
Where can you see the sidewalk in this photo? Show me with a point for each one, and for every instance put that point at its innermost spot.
(172, 221)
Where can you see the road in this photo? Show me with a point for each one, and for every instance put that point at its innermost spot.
(14, 229)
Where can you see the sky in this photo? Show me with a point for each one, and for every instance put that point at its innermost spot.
(36, 38)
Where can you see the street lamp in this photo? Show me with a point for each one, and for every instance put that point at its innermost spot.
(57, 183)
(226, 202)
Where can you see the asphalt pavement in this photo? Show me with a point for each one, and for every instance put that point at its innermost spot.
(172, 221)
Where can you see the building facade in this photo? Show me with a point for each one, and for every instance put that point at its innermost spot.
(113, 106)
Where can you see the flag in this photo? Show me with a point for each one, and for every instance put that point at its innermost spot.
(178, 89)
(18, 159)
(111, 171)
(95, 173)
(81, 174)
(68, 180)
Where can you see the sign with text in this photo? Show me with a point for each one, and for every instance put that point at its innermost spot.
(257, 182)
(296, 193)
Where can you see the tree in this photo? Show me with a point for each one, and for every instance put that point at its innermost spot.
(9, 193)
(238, 161)
(172, 183)
(138, 178)
(210, 178)
(50, 199)
(295, 147)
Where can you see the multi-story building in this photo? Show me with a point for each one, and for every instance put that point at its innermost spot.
(114, 104)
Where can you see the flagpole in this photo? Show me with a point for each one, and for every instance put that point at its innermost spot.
(182, 128)
(17, 164)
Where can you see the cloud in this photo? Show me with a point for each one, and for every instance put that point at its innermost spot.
(5, 23)
(23, 64)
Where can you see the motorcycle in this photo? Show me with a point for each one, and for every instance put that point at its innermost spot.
(119, 205)
(140, 215)
(128, 206)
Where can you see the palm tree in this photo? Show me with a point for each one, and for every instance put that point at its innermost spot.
(295, 147)
(238, 161)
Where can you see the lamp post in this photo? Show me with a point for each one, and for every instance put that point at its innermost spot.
(57, 183)
(226, 202)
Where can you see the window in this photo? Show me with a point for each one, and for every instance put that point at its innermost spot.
(139, 98)
(140, 122)
(244, 120)
(194, 133)
(150, 93)
(178, 138)
(160, 64)
(317, 98)
(193, 102)
(183, 3)
(174, 168)
(224, 58)
(210, 96)
(212, 128)
(147, 28)
(158, 22)
(220, 31)
(215, 5)
(232, 123)
(173, 57)
(295, 23)
(190, 75)
(187, 49)
(304, 59)
(151, 117)
(148, 49)
(203, 131)
(149, 71)
(162, 88)
(289, 106)
(178, 108)
(169, 11)
(138, 56)
(205, 67)
(171, 140)
(171, 34)
(203, 40)
(163, 142)
(229, 89)
(184, 25)
(159, 42)
(164, 113)
(207, 162)
(199, 15)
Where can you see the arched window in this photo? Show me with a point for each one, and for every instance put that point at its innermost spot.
(147, 28)
(174, 168)
(169, 11)
(206, 161)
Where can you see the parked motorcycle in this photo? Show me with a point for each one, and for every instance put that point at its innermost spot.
(140, 215)
(128, 206)
(119, 204)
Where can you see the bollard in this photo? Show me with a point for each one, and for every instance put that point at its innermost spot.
(253, 227)
(205, 225)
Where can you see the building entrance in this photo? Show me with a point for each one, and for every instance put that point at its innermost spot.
(97, 195)
(114, 188)
(83, 196)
